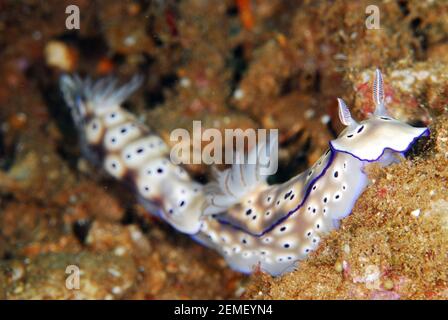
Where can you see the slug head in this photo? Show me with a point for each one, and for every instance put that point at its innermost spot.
(371, 138)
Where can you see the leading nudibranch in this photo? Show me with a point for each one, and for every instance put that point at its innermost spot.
(248, 221)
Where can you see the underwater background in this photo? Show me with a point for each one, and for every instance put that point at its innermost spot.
(230, 64)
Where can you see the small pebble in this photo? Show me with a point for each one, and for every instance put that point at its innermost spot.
(388, 284)
(60, 55)
(325, 119)
(338, 266)
(238, 94)
(416, 212)
(17, 270)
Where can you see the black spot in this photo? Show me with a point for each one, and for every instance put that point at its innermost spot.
(114, 165)
(317, 226)
(248, 212)
(254, 217)
(310, 173)
(336, 174)
(337, 196)
(349, 136)
(268, 199)
(309, 233)
(314, 210)
(140, 150)
(360, 129)
(159, 170)
(113, 140)
(123, 130)
(325, 200)
(314, 240)
(385, 118)
(288, 194)
(146, 188)
(268, 213)
(244, 241)
(112, 115)
(181, 204)
(292, 197)
(289, 258)
(286, 245)
(314, 187)
(282, 229)
(278, 202)
(307, 250)
(128, 156)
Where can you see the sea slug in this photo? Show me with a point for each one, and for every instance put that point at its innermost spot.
(248, 221)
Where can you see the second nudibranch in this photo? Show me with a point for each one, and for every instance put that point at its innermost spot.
(252, 224)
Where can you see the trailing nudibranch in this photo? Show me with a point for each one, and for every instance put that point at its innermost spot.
(129, 151)
(248, 221)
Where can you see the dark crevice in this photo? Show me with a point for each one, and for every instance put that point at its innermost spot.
(332, 129)
(81, 229)
(238, 65)
(288, 86)
(131, 217)
(155, 96)
(317, 81)
(403, 5)
(59, 111)
(419, 33)
(232, 11)
(285, 173)
(90, 48)
(7, 152)
(8, 255)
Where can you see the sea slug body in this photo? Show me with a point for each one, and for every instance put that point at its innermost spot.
(248, 221)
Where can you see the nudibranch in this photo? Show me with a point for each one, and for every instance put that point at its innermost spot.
(251, 223)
